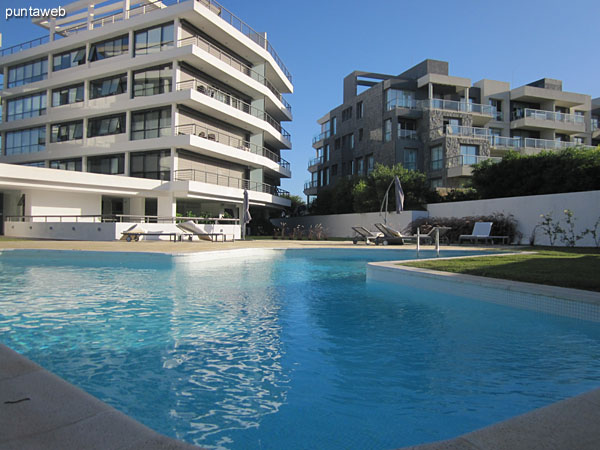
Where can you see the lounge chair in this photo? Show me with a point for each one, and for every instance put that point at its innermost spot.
(481, 230)
(193, 229)
(391, 236)
(133, 233)
(364, 235)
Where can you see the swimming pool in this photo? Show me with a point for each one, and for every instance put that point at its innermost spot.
(286, 349)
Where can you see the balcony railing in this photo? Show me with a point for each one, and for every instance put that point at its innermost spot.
(224, 180)
(315, 161)
(595, 123)
(504, 141)
(407, 134)
(212, 5)
(233, 62)
(467, 131)
(409, 103)
(311, 184)
(321, 136)
(469, 160)
(231, 141)
(548, 144)
(538, 114)
(232, 101)
(452, 105)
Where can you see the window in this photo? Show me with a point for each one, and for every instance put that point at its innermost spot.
(410, 159)
(348, 142)
(333, 126)
(326, 176)
(469, 154)
(578, 140)
(106, 87)
(68, 59)
(387, 130)
(437, 158)
(105, 126)
(28, 73)
(370, 164)
(66, 164)
(579, 117)
(352, 167)
(407, 129)
(155, 165)
(497, 108)
(436, 183)
(359, 110)
(360, 166)
(153, 40)
(26, 107)
(326, 152)
(156, 80)
(334, 169)
(338, 144)
(67, 95)
(109, 164)
(68, 131)
(396, 98)
(347, 114)
(31, 140)
(110, 48)
(360, 135)
(495, 131)
(151, 124)
(34, 164)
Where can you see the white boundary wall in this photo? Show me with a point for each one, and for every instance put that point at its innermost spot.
(527, 210)
(340, 225)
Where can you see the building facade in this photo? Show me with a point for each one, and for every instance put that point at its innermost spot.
(180, 97)
(430, 121)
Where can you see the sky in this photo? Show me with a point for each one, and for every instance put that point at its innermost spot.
(321, 42)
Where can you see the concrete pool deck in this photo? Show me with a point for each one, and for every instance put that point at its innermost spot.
(39, 410)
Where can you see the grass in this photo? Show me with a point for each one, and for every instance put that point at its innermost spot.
(577, 268)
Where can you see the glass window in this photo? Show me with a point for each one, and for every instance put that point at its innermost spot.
(326, 176)
(333, 126)
(360, 166)
(66, 164)
(105, 126)
(469, 154)
(436, 183)
(360, 135)
(108, 164)
(347, 114)
(68, 131)
(156, 80)
(26, 107)
(359, 110)
(437, 158)
(370, 164)
(108, 86)
(28, 73)
(396, 98)
(326, 152)
(67, 95)
(387, 130)
(154, 40)
(108, 49)
(31, 140)
(68, 59)
(410, 159)
(155, 165)
(151, 124)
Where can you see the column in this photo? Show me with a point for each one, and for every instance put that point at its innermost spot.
(127, 165)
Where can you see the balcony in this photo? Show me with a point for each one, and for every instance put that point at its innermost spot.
(460, 165)
(527, 118)
(504, 142)
(595, 127)
(231, 141)
(233, 62)
(407, 134)
(227, 181)
(457, 130)
(315, 162)
(310, 187)
(321, 136)
(547, 144)
(481, 113)
(232, 101)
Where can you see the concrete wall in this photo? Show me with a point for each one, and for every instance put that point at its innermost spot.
(340, 225)
(39, 202)
(527, 211)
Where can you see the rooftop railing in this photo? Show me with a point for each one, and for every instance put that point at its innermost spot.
(145, 8)
(228, 99)
(538, 114)
(452, 105)
(225, 180)
(321, 136)
(469, 160)
(211, 134)
(233, 62)
(315, 161)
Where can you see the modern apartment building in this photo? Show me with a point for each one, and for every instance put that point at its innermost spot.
(143, 108)
(440, 124)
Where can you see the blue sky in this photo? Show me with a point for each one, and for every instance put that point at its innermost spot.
(322, 41)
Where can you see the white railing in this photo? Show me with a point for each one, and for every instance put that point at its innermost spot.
(469, 160)
(459, 130)
(504, 141)
(128, 218)
(548, 144)
(538, 114)
(452, 105)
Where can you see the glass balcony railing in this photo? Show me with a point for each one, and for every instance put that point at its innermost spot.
(311, 184)
(538, 114)
(321, 136)
(315, 161)
(409, 103)
(407, 134)
(504, 142)
(469, 160)
(232, 101)
(452, 105)
(548, 144)
(595, 123)
(458, 130)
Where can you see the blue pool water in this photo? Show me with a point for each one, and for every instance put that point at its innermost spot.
(292, 349)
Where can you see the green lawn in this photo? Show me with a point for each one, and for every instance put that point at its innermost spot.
(572, 267)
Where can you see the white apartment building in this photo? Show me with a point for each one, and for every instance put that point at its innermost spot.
(140, 111)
